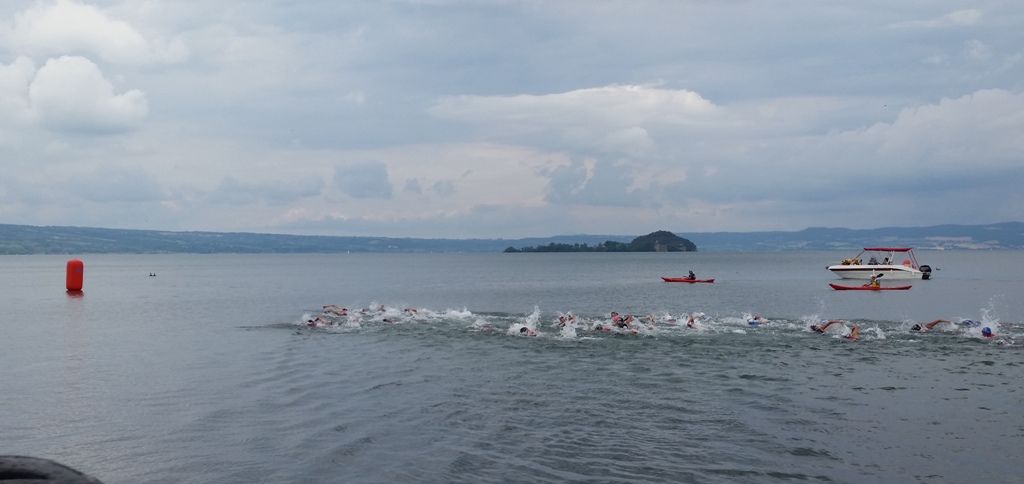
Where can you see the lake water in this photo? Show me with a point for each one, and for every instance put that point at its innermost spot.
(207, 371)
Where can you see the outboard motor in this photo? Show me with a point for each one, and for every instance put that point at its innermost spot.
(927, 270)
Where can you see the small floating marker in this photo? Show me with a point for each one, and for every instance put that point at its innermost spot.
(75, 273)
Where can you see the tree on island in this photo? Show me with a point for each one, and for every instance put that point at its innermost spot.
(660, 241)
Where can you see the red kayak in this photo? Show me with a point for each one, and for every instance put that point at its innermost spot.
(868, 288)
(683, 279)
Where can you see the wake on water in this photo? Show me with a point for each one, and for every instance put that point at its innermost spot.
(570, 326)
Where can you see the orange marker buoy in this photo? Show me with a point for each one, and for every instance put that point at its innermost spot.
(74, 279)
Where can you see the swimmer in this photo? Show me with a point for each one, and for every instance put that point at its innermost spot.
(821, 329)
(756, 320)
(527, 331)
(690, 322)
(854, 333)
(318, 321)
(987, 332)
(335, 310)
(929, 326)
(626, 322)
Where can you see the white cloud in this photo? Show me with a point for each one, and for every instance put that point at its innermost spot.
(70, 93)
(612, 118)
(959, 18)
(69, 27)
(14, 82)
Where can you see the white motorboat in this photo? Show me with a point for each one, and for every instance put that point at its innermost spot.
(889, 262)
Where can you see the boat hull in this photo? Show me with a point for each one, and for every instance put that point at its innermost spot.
(865, 271)
(868, 288)
(683, 279)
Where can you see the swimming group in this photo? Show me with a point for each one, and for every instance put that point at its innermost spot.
(567, 324)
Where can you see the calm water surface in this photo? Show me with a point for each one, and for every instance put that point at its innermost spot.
(207, 373)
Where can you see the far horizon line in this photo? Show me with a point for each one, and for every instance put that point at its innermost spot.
(519, 238)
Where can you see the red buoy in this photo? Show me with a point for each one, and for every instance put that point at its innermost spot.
(75, 270)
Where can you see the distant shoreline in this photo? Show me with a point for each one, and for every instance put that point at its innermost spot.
(27, 239)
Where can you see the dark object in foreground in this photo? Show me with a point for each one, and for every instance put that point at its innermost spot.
(28, 470)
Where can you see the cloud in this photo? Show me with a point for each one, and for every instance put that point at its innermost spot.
(412, 185)
(977, 50)
(273, 192)
(592, 182)
(116, 184)
(14, 81)
(613, 118)
(444, 188)
(363, 180)
(70, 94)
(71, 28)
(959, 18)
(560, 117)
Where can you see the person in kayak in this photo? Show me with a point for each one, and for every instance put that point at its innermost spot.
(874, 281)
(927, 327)
(691, 276)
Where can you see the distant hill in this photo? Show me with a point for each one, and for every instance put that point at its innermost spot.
(660, 241)
(28, 239)
(1008, 235)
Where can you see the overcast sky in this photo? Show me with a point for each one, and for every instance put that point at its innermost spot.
(508, 119)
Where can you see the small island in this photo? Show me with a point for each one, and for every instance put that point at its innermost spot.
(660, 241)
